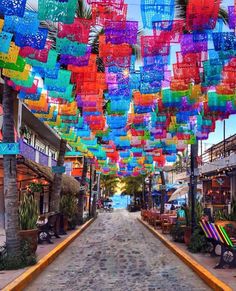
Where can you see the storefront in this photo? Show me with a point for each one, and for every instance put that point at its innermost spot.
(217, 193)
(37, 179)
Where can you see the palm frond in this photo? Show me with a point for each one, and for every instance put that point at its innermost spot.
(181, 11)
(83, 10)
(224, 16)
(136, 48)
(50, 25)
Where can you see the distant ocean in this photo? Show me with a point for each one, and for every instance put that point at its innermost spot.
(120, 201)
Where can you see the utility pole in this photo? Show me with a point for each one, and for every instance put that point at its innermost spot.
(90, 187)
(193, 182)
(143, 192)
(150, 193)
(224, 138)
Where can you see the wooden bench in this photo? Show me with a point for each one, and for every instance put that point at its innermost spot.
(49, 229)
(218, 235)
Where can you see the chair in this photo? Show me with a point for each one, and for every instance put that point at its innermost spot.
(166, 226)
(151, 218)
(144, 214)
(218, 235)
(157, 220)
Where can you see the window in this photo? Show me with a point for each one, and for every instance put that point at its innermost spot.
(41, 147)
(53, 154)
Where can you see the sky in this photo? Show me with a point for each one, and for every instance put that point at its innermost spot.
(134, 13)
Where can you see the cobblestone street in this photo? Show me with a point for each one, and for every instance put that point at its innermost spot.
(117, 253)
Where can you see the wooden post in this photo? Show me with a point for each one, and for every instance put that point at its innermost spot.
(57, 179)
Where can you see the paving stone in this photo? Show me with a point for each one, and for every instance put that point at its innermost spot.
(117, 253)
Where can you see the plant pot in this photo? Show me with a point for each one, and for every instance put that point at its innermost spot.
(187, 235)
(31, 236)
(65, 223)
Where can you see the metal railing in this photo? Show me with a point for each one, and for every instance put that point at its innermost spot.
(221, 150)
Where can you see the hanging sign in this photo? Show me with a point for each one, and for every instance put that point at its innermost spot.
(9, 148)
(221, 182)
(58, 169)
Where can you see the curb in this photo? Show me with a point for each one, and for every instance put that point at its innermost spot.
(202, 272)
(32, 272)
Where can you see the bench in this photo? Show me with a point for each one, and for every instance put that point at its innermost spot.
(49, 229)
(218, 235)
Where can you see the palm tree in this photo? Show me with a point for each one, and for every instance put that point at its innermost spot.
(108, 184)
(181, 9)
(181, 164)
(163, 191)
(133, 186)
(82, 192)
(10, 178)
(57, 179)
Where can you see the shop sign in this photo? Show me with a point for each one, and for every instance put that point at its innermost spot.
(58, 169)
(220, 182)
(9, 148)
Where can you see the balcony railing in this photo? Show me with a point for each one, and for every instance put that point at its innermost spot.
(33, 154)
(27, 150)
(43, 159)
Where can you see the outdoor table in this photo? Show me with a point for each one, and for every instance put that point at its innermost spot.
(165, 216)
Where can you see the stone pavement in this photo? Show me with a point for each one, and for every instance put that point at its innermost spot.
(8, 276)
(117, 253)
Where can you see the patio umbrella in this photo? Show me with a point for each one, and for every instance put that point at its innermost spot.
(182, 192)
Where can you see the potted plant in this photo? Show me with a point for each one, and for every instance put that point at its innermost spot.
(24, 131)
(28, 216)
(35, 187)
(68, 208)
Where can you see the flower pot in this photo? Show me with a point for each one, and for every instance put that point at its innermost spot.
(187, 235)
(65, 223)
(31, 236)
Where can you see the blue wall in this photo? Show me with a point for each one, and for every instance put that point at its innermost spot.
(120, 201)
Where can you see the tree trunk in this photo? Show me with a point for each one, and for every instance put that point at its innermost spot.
(90, 188)
(150, 193)
(163, 191)
(56, 184)
(99, 187)
(143, 193)
(135, 196)
(10, 177)
(193, 183)
(94, 205)
(82, 192)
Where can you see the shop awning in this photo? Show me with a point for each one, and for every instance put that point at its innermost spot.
(69, 184)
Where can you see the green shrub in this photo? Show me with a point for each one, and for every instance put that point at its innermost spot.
(69, 208)
(25, 259)
(198, 242)
(28, 212)
(177, 233)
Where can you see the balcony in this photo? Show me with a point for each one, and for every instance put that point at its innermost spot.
(33, 154)
(219, 164)
(220, 156)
